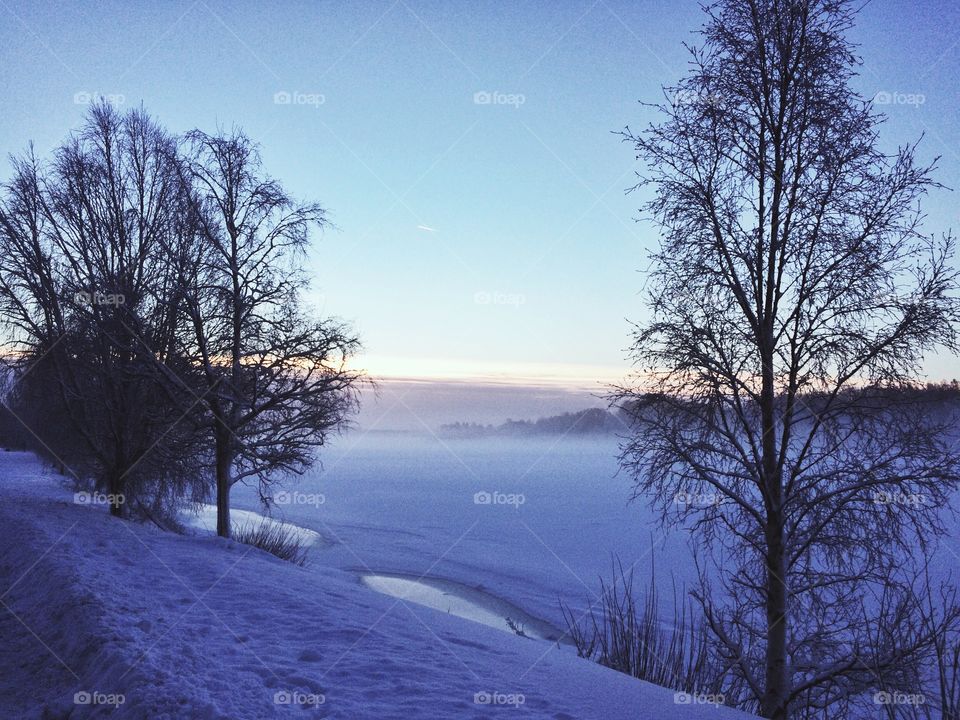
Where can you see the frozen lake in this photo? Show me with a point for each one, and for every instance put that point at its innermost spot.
(525, 521)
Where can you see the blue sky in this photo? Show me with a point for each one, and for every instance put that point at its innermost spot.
(473, 239)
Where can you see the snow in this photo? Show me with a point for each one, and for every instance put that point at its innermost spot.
(462, 601)
(96, 610)
(205, 520)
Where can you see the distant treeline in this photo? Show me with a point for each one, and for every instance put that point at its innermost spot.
(594, 421)
(940, 397)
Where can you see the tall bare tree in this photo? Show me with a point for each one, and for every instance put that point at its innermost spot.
(84, 281)
(275, 379)
(793, 298)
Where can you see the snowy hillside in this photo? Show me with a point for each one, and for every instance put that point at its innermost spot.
(98, 610)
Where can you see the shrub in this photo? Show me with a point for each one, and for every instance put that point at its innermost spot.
(629, 636)
(278, 539)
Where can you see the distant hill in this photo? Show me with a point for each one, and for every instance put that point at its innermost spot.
(594, 421)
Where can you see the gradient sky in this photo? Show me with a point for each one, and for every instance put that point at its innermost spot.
(489, 240)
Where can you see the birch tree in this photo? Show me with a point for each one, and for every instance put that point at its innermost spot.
(275, 378)
(792, 300)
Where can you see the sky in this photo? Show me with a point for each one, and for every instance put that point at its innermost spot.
(466, 151)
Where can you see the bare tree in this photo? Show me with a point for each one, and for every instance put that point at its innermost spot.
(84, 281)
(275, 379)
(792, 298)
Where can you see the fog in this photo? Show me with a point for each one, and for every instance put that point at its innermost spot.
(423, 406)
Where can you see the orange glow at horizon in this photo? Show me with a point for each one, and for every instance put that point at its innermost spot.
(553, 375)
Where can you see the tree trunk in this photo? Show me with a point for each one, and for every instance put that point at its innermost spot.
(115, 494)
(224, 482)
(115, 483)
(773, 704)
(776, 691)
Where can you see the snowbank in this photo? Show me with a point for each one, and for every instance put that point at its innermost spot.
(205, 520)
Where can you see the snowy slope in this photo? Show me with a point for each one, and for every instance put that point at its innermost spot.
(199, 627)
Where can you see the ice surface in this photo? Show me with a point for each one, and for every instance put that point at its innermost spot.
(465, 602)
(407, 505)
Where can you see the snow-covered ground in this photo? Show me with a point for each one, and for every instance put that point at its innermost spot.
(205, 520)
(94, 610)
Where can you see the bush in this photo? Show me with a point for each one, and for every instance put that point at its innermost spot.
(630, 637)
(278, 539)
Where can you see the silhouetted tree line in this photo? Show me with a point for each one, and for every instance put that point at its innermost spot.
(158, 344)
(592, 421)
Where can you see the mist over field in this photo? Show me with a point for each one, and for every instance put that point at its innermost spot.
(426, 405)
